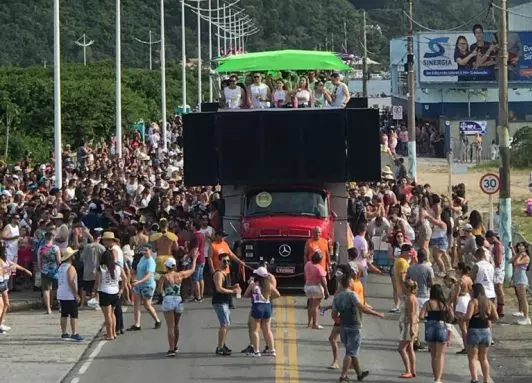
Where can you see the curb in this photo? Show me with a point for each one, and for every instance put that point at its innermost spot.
(24, 305)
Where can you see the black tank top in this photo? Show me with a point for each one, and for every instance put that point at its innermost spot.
(437, 315)
(477, 322)
(222, 298)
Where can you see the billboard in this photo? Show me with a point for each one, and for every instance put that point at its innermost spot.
(472, 57)
(471, 128)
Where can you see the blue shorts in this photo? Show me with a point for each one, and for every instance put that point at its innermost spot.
(198, 273)
(440, 243)
(173, 303)
(223, 313)
(478, 337)
(436, 332)
(145, 292)
(261, 310)
(351, 338)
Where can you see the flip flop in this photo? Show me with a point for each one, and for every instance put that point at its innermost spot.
(406, 375)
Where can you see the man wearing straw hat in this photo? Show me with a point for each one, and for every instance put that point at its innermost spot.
(67, 294)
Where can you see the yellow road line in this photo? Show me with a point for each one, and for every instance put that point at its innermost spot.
(280, 326)
(293, 363)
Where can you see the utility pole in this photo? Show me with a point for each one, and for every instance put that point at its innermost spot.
(505, 201)
(118, 80)
(411, 116)
(84, 44)
(163, 79)
(210, 51)
(332, 42)
(183, 59)
(365, 60)
(58, 148)
(150, 43)
(345, 38)
(199, 57)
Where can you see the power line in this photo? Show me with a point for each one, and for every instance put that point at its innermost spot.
(468, 22)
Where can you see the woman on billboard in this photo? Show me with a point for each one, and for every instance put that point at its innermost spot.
(463, 57)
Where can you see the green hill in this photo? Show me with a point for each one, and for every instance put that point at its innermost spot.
(26, 32)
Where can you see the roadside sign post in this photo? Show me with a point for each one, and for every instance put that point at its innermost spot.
(490, 184)
(397, 112)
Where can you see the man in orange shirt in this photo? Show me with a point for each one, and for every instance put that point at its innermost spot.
(220, 246)
(318, 244)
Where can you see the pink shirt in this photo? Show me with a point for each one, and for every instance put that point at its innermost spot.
(313, 273)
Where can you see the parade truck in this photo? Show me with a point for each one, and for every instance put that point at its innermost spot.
(283, 172)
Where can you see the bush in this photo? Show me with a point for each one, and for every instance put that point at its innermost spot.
(520, 153)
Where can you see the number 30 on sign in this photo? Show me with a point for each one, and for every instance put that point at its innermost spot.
(490, 183)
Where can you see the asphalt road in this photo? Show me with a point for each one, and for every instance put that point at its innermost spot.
(302, 354)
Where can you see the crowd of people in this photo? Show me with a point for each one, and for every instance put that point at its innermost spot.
(127, 231)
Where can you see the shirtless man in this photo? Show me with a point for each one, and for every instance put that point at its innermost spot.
(164, 244)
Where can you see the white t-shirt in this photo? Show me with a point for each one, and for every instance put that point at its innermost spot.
(207, 232)
(64, 293)
(12, 245)
(362, 247)
(108, 284)
(485, 276)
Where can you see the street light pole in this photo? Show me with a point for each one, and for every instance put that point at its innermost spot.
(199, 56)
(505, 201)
(58, 149)
(118, 95)
(411, 116)
(163, 79)
(183, 58)
(225, 32)
(84, 45)
(210, 51)
(218, 27)
(365, 59)
(150, 43)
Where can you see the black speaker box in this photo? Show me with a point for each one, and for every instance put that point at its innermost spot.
(357, 102)
(200, 149)
(363, 143)
(209, 106)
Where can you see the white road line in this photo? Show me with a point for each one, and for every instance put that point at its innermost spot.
(93, 355)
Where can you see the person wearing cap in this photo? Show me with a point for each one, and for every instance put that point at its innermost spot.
(170, 287)
(144, 288)
(400, 268)
(261, 291)
(63, 233)
(220, 246)
(67, 294)
(90, 257)
(497, 252)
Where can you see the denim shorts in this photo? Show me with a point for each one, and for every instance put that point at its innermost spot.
(223, 313)
(261, 310)
(478, 337)
(520, 277)
(3, 286)
(198, 273)
(351, 338)
(173, 303)
(144, 291)
(440, 243)
(436, 332)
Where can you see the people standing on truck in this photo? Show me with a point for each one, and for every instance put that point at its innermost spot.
(259, 94)
(303, 96)
(280, 95)
(340, 92)
(233, 96)
(221, 300)
(315, 288)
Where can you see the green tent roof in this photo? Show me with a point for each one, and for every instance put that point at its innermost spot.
(282, 60)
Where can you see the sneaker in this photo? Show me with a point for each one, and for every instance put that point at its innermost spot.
(395, 310)
(254, 354)
(133, 328)
(2, 332)
(524, 322)
(362, 375)
(170, 354)
(157, 325)
(176, 350)
(344, 379)
(4, 327)
(269, 353)
(66, 337)
(247, 350)
(518, 315)
(77, 338)
(222, 351)
(266, 349)
(227, 348)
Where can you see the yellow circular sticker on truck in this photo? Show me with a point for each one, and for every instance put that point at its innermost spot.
(263, 199)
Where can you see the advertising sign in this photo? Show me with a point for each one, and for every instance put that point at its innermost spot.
(472, 57)
(471, 128)
(397, 112)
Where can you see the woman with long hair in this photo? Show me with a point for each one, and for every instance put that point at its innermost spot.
(408, 328)
(108, 285)
(475, 220)
(397, 240)
(460, 297)
(521, 262)
(480, 312)
(261, 290)
(436, 313)
(170, 286)
(438, 240)
(315, 288)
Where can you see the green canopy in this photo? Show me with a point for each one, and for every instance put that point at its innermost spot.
(282, 60)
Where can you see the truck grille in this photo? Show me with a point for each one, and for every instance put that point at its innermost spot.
(275, 252)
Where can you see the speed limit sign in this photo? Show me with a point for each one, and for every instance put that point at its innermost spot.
(490, 183)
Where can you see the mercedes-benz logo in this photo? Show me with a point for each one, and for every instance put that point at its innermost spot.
(285, 250)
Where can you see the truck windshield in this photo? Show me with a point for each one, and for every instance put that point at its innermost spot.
(289, 202)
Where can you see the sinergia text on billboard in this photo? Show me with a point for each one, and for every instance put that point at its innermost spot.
(472, 57)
